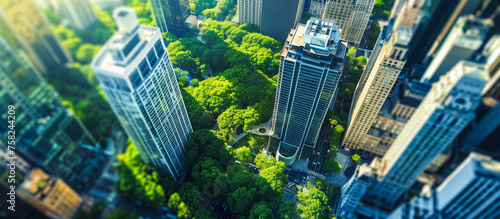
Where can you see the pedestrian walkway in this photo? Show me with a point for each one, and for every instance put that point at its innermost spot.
(265, 125)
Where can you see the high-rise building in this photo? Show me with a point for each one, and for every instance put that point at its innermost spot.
(79, 13)
(470, 191)
(464, 39)
(137, 77)
(311, 65)
(23, 25)
(317, 7)
(443, 114)
(250, 12)
(170, 15)
(352, 17)
(46, 132)
(49, 195)
(374, 87)
(279, 16)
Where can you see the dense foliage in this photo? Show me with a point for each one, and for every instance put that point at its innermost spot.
(313, 203)
(372, 34)
(383, 8)
(220, 11)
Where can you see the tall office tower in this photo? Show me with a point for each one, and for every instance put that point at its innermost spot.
(79, 13)
(443, 114)
(464, 39)
(170, 15)
(352, 17)
(380, 80)
(46, 132)
(317, 7)
(352, 192)
(23, 25)
(138, 79)
(470, 191)
(49, 194)
(250, 12)
(311, 64)
(483, 137)
(279, 16)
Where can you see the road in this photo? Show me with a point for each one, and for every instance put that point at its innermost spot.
(317, 161)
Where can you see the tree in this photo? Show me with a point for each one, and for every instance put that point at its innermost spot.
(183, 81)
(241, 200)
(242, 179)
(86, 52)
(195, 82)
(352, 51)
(287, 210)
(361, 60)
(183, 211)
(332, 166)
(206, 171)
(121, 213)
(261, 211)
(356, 158)
(243, 154)
(260, 159)
(174, 201)
(313, 203)
(205, 214)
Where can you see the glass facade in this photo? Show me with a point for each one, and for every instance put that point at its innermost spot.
(170, 15)
(46, 133)
(147, 100)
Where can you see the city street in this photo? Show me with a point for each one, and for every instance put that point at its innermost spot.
(316, 164)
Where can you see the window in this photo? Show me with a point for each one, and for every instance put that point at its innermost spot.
(144, 68)
(131, 44)
(135, 79)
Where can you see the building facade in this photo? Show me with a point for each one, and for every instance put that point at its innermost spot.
(49, 195)
(317, 7)
(79, 13)
(464, 39)
(310, 68)
(250, 12)
(170, 15)
(23, 25)
(352, 17)
(470, 191)
(137, 77)
(46, 132)
(374, 87)
(443, 114)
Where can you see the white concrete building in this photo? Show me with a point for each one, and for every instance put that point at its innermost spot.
(443, 114)
(250, 12)
(137, 77)
(465, 38)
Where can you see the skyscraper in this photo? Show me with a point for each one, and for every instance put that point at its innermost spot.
(279, 16)
(311, 65)
(317, 7)
(170, 15)
(138, 79)
(49, 194)
(352, 17)
(470, 191)
(464, 39)
(79, 13)
(374, 87)
(443, 114)
(250, 12)
(23, 25)
(46, 132)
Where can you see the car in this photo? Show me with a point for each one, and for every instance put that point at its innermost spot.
(325, 155)
(347, 149)
(318, 153)
(328, 150)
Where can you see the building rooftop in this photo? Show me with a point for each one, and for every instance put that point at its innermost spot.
(107, 58)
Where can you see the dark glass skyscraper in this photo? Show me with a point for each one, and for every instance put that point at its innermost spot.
(170, 15)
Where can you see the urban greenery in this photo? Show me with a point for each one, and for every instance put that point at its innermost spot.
(356, 158)
(383, 8)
